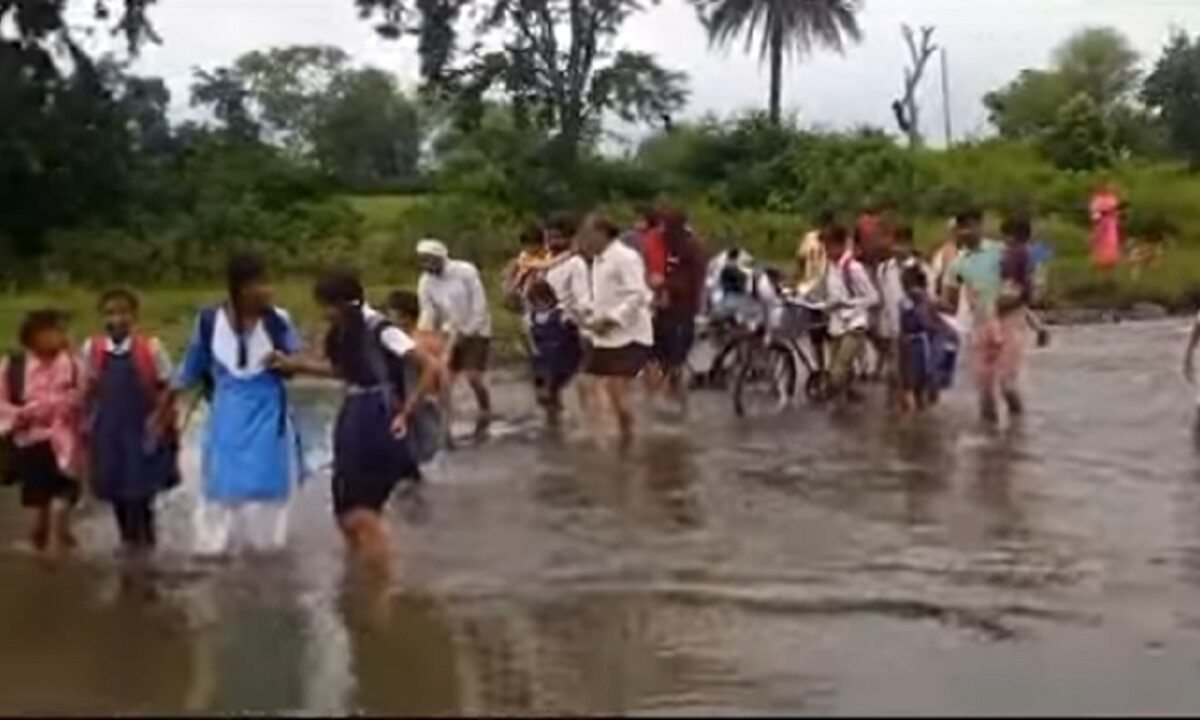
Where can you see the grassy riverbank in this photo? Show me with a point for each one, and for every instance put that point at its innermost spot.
(171, 312)
(390, 224)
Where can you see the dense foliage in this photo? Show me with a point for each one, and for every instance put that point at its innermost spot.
(98, 183)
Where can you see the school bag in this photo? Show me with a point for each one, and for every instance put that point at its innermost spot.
(273, 323)
(425, 425)
(141, 352)
(15, 382)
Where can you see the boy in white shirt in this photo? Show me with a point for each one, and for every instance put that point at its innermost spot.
(618, 320)
(850, 296)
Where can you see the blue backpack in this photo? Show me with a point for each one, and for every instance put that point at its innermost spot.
(276, 327)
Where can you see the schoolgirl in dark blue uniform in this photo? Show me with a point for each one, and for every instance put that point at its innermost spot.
(372, 452)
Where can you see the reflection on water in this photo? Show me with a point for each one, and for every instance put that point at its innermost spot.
(857, 564)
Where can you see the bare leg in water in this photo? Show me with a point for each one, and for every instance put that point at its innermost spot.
(367, 537)
(39, 528)
(483, 398)
(618, 390)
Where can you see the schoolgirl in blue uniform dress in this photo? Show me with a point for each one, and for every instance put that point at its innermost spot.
(372, 447)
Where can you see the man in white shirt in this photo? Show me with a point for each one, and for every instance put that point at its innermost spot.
(454, 303)
(850, 296)
(568, 272)
(619, 319)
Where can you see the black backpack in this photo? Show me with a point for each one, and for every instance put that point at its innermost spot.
(15, 380)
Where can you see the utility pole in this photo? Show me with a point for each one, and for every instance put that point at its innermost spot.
(946, 98)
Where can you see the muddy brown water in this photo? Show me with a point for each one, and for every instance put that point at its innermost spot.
(810, 564)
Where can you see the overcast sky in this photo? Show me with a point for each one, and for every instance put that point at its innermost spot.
(988, 42)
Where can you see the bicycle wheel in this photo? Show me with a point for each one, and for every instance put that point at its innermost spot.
(766, 381)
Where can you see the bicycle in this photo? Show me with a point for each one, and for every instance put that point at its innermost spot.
(772, 356)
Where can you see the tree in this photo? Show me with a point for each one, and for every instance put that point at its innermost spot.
(1079, 139)
(1098, 62)
(1027, 106)
(289, 86)
(64, 150)
(554, 61)
(223, 91)
(907, 108)
(1172, 91)
(366, 133)
(784, 28)
(1101, 63)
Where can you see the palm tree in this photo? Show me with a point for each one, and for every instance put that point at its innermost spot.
(786, 27)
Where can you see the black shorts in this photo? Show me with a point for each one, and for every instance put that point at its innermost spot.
(674, 335)
(625, 361)
(42, 481)
(470, 354)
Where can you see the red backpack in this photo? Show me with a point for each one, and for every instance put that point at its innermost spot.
(141, 352)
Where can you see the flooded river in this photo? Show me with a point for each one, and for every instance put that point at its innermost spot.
(811, 564)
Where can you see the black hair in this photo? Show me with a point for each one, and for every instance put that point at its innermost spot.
(532, 235)
(605, 227)
(542, 291)
(35, 321)
(564, 224)
(675, 232)
(649, 214)
(119, 293)
(913, 277)
(345, 345)
(339, 288)
(244, 268)
(405, 303)
(1018, 228)
(835, 233)
(970, 216)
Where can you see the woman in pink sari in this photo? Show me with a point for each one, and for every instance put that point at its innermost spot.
(1106, 228)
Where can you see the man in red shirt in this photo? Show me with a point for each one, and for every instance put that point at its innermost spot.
(675, 270)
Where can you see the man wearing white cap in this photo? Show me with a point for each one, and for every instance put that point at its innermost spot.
(454, 302)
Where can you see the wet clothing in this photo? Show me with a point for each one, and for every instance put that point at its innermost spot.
(368, 459)
(470, 354)
(997, 352)
(927, 350)
(812, 258)
(619, 293)
(570, 279)
(557, 348)
(1016, 272)
(48, 409)
(850, 294)
(41, 477)
(674, 335)
(454, 301)
(681, 272)
(625, 361)
(250, 452)
(135, 522)
(977, 273)
(847, 349)
(128, 461)
(1106, 230)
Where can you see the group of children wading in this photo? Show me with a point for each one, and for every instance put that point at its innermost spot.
(600, 309)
